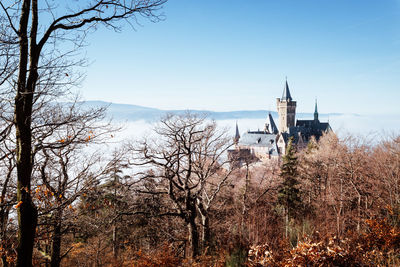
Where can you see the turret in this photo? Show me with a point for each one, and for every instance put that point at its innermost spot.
(237, 135)
(270, 126)
(316, 111)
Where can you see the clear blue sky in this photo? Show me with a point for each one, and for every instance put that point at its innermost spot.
(235, 55)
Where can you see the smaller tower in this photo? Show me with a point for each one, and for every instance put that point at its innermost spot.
(286, 110)
(316, 112)
(237, 135)
(270, 126)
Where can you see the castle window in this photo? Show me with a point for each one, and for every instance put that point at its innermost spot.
(259, 140)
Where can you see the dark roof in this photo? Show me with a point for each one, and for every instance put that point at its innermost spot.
(307, 129)
(237, 135)
(286, 93)
(270, 125)
(292, 132)
(316, 108)
(313, 125)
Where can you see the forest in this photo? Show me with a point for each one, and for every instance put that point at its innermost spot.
(174, 198)
(73, 195)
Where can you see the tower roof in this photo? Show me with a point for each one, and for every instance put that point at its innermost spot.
(237, 135)
(270, 125)
(316, 111)
(286, 93)
(316, 108)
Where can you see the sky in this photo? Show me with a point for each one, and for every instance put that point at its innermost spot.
(235, 55)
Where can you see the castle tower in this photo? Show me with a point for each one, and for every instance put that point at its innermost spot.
(286, 110)
(316, 112)
(270, 126)
(237, 135)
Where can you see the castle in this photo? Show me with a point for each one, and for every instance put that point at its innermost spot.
(272, 141)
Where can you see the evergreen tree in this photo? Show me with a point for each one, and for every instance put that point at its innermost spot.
(288, 191)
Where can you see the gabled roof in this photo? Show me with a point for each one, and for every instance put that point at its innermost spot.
(286, 93)
(257, 138)
(260, 139)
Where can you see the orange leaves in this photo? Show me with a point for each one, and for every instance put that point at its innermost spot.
(306, 253)
(90, 136)
(63, 140)
(45, 195)
(70, 138)
(18, 205)
(389, 209)
(378, 244)
(163, 257)
(381, 235)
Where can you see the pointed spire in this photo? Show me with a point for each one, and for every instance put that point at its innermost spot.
(270, 126)
(274, 129)
(286, 93)
(237, 135)
(316, 110)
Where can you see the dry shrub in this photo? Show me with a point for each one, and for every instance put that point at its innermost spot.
(379, 246)
(217, 260)
(166, 257)
(381, 243)
(162, 257)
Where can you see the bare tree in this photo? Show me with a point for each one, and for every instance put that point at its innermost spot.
(185, 164)
(36, 28)
(65, 175)
(386, 166)
(337, 176)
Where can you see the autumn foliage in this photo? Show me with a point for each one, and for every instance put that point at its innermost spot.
(182, 203)
(378, 246)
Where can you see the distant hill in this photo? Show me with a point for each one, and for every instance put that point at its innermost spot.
(134, 113)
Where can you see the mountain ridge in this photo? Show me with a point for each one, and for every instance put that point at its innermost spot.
(135, 112)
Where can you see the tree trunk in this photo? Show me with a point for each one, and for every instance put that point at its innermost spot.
(359, 214)
(193, 238)
(56, 241)
(27, 220)
(206, 234)
(286, 223)
(115, 242)
(27, 212)
(190, 219)
(4, 261)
